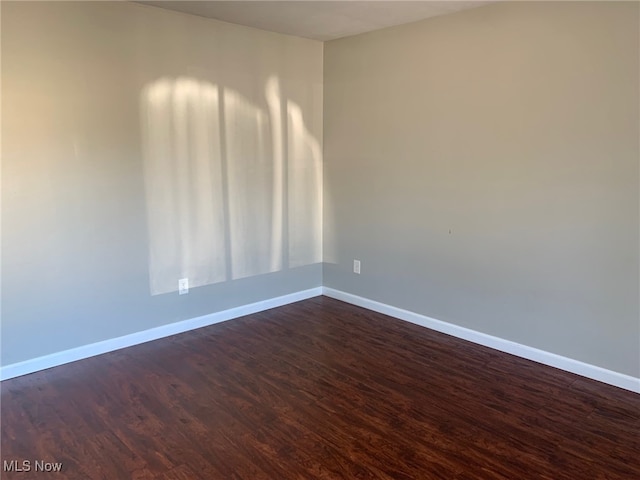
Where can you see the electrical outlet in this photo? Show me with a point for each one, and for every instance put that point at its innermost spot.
(183, 286)
(356, 266)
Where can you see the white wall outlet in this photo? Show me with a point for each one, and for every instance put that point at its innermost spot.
(356, 266)
(183, 286)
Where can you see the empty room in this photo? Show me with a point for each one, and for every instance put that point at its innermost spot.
(320, 239)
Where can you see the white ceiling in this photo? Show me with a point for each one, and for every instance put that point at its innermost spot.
(318, 20)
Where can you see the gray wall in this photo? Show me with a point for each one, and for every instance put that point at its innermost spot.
(140, 146)
(483, 166)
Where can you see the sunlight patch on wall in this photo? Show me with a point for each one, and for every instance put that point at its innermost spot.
(183, 183)
(233, 190)
(304, 191)
(251, 186)
(274, 99)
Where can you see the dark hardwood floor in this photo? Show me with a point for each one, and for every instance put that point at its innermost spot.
(318, 389)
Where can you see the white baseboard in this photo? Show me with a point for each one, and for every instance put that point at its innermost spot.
(86, 351)
(594, 372)
(568, 364)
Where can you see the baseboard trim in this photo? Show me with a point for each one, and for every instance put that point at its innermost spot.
(593, 372)
(86, 351)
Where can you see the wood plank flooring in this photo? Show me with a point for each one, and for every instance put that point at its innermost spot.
(318, 389)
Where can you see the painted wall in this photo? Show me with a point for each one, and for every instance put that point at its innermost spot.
(140, 146)
(483, 166)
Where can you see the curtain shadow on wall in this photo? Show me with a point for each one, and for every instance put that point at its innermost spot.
(232, 190)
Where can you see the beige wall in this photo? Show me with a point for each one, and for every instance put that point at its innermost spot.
(140, 146)
(483, 166)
